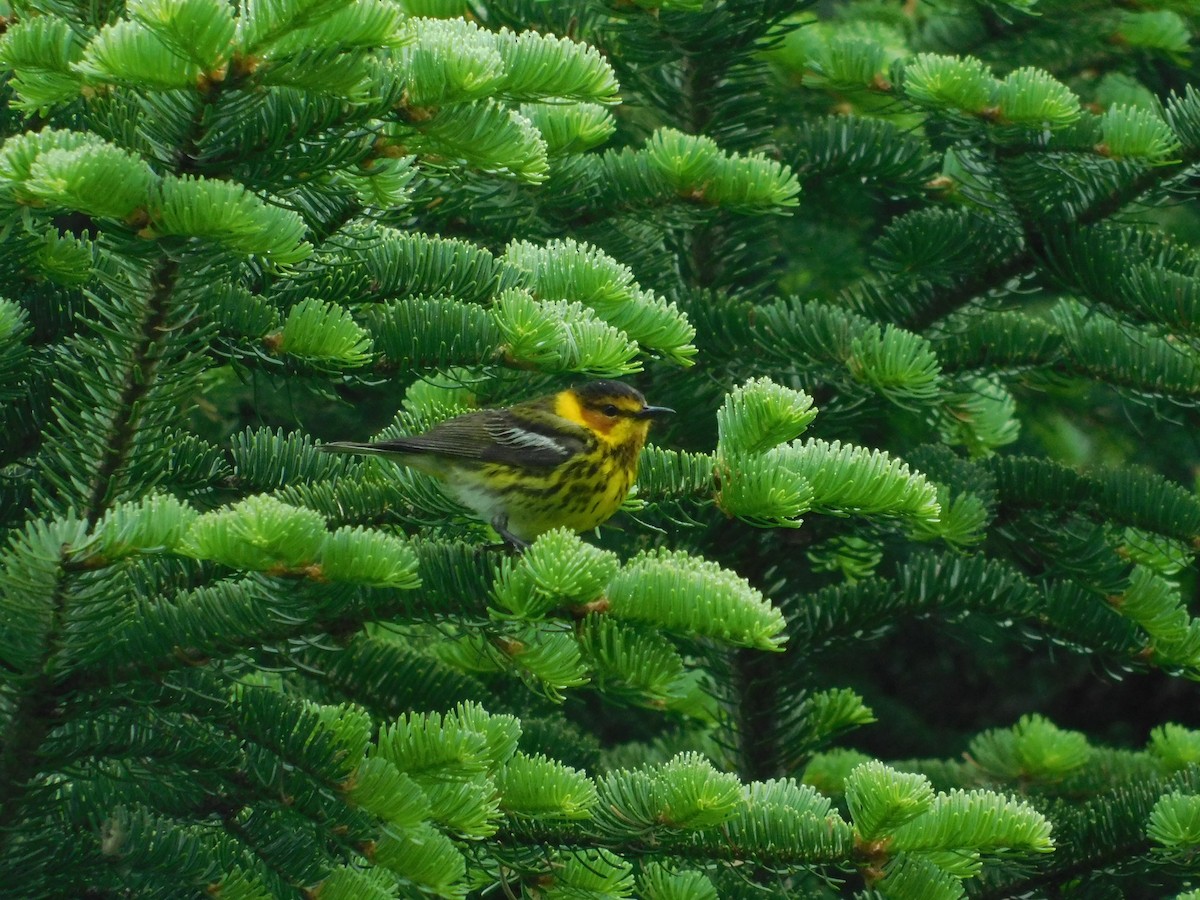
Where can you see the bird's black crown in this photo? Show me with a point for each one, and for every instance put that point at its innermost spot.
(604, 389)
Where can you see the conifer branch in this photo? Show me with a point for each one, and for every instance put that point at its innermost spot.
(340, 624)
(36, 712)
(38, 704)
(139, 379)
(941, 301)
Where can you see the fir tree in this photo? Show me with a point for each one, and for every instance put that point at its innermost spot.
(922, 279)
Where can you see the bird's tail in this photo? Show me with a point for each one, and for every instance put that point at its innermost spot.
(393, 449)
(405, 451)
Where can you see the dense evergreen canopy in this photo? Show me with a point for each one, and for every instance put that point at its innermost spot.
(901, 605)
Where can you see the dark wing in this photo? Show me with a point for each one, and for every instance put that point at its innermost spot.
(492, 435)
(547, 440)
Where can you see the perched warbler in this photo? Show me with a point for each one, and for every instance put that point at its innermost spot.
(565, 460)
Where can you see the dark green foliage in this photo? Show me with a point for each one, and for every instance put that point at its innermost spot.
(921, 281)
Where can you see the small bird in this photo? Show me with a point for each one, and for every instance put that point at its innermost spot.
(565, 460)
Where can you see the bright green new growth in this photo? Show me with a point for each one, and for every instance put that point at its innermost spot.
(570, 127)
(231, 216)
(357, 554)
(1130, 132)
(1032, 750)
(683, 593)
(659, 883)
(541, 66)
(564, 270)
(850, 58)
(881, 799)
(383, 790)
(538, 787)
(264, 534)
(696, 169)
(559, 570)
(894, 362)
(258, 533)
(1174, 747)
(561, 337)
(767, 490)
(685, 794)
(1175, 824)
(435, 74)
(932, 842)
(641, 666)
(852, 480)
(947, 81)
(319, 331)
(1032, 98)
(1161, 29)
(200, 30)
(153, 524)
(976, 821)
(759, 415)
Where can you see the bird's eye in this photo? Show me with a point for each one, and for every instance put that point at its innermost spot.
(610, 410)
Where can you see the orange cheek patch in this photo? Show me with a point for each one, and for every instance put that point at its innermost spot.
(598, 421)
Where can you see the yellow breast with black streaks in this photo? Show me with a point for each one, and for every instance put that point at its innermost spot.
(578, 495)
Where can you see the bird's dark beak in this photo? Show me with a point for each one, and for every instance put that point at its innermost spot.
(653, 412)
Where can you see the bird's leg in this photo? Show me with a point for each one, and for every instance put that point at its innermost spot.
(500, 523)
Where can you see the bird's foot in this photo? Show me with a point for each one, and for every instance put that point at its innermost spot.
(514, 543)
